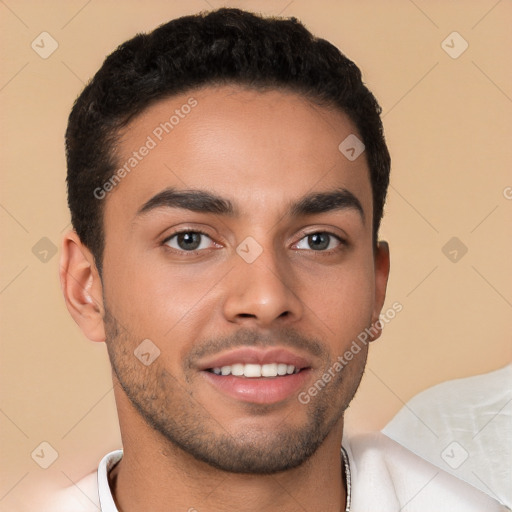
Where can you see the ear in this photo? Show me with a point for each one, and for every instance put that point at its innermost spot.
(381, 282)
(82, 287)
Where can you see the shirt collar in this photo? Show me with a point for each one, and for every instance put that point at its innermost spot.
(107, 503)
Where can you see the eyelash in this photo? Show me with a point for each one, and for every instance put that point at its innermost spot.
(342, 242)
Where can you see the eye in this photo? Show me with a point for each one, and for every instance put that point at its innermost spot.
(189, 241)
(320, 241)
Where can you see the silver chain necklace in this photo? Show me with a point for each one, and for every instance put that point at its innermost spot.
(346, 464)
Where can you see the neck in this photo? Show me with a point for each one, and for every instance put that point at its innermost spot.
(155, 475)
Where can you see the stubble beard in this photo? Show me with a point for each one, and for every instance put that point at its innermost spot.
(170, 409)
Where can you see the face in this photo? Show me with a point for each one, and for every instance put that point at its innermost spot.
(239, 247)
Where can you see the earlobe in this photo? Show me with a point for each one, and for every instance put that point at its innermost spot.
(382, 266)
(81, 286)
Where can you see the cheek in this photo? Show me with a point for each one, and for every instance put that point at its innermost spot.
(343, 300)
(157, 300)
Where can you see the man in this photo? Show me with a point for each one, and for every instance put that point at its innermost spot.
(226, 180)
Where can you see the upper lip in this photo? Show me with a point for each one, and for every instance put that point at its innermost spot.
(254, 355)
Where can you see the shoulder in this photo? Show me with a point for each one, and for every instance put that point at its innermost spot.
(481, 390)
(90, 494)
(388, 477)
(465, 427)
(80, 497)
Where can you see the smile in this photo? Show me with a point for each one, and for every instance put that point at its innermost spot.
(257, 375)
(256, 370)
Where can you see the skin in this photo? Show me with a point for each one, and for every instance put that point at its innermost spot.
(187, 444)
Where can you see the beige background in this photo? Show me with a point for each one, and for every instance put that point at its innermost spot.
(448, 123)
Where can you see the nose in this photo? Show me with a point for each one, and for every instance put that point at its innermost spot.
(261, 293)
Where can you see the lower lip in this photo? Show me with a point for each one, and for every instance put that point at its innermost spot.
(262, 390)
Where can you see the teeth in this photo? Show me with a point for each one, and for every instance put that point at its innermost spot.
(252, 370)
(237, 369)
(269, 370)
(256, 370)
(281, 369)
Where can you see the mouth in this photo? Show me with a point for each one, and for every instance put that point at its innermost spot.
(257, 376)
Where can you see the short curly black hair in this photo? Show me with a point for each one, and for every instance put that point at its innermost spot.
(225, 46)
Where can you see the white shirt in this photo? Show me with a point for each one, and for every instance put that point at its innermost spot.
(386, 477)
(463, 426)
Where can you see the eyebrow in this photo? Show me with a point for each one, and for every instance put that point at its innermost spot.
(194, 200)
(323, 202)
(203, 201)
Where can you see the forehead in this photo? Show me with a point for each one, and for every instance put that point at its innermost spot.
(259, 149)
